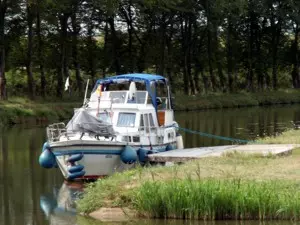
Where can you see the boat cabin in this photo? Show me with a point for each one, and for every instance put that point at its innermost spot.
(134, 103)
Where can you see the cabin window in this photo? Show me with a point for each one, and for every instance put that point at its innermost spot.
(126, 120)
(136, 139)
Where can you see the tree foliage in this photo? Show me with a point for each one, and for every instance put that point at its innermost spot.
(200, 45)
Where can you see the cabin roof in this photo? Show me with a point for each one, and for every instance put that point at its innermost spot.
(132, 77)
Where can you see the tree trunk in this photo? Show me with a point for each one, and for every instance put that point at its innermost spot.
(30, 81)
(189, 56)
(39, 50)
(210, 62)
(131, 58)
(75, 33)
(3, 94)
(295, 72)
(276, 30)
(162, 46)
(91, 55)
(251, 49)
(184, 46)
(170, 64)
(141, 64)
(275, 42)
(115, 45)
(198, 43)
(209, 46)
(260, 68)
(217, 57)
(144, 43)
(229, 55)
(219, 66)
(63, 69)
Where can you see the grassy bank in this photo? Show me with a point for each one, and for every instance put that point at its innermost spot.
(234, 186)
(225, 100)
(21, 110)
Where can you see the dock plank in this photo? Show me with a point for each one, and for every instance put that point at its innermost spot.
(181, 155)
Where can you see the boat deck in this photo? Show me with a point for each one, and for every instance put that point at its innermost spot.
(181, 155)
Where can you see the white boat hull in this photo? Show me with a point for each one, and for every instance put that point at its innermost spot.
(98, 160)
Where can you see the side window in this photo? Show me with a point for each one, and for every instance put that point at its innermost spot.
(142, 125)
(151, 121)
(146, 121)
(126, 120)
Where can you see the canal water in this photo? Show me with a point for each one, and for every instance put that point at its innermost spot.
(32, 195)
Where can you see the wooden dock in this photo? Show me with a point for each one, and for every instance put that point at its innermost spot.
(181, 155)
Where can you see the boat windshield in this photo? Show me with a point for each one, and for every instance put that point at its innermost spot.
(105, 117)
(118, 96)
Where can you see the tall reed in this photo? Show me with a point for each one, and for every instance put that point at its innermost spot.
(212, 199)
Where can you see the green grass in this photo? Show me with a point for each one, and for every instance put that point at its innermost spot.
(288, 137)
(21, 110)
(212, 199)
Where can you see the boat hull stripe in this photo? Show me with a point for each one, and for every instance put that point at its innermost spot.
(59, 152)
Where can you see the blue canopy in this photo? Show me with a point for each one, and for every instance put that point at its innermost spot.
(136, 77)
(132, 77)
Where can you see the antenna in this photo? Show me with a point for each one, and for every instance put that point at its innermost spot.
(86, 89)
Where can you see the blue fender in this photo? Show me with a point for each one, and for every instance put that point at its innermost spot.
(45, 146)
(76, 168)
(129, 155)
(72, 176)
(75, 158)
(143, 153)
(47, 159)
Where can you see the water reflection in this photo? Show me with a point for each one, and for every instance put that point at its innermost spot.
(242, 123)
(59, 206)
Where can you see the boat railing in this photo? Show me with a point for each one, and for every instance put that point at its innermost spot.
(151, 131)
(55, 131)
(58, 130)
(120, 97)
(98, 129)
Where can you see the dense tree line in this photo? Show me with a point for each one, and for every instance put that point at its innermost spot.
(200, 45)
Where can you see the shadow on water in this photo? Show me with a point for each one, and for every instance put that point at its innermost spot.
(32, 195)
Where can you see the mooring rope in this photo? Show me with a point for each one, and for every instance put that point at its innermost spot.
(214, 136)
